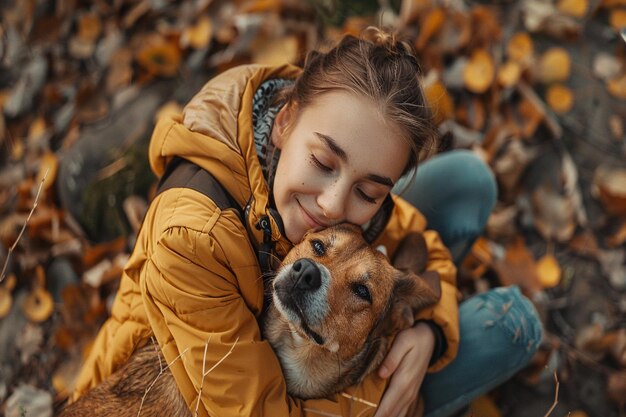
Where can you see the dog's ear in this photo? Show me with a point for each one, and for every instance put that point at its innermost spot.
(411, 293)
(411, 254)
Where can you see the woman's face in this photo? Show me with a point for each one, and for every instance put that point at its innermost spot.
(339, 160)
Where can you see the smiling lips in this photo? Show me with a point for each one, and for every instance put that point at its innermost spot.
(311, 221)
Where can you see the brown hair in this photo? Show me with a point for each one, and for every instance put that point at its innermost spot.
(382, 68)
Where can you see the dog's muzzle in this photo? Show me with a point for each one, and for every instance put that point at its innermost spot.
(307, 275)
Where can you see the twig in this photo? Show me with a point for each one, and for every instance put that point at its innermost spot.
(360, 400)
(155, 380)
(321, 413)
(556, 396)
(19, 236)
(209, 371)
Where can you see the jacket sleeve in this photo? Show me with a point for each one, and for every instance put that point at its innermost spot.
(195, 302)
(445, 314)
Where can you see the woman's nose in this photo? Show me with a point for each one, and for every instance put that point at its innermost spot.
(332, 202)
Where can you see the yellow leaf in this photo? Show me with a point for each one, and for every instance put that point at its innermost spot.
(440, 101)
(520, 48)
(574, 8)
(276, 51)
(199, 35)
(555, 65)
(549, 271)
(48, 170)
(479, 72)
(560, 98)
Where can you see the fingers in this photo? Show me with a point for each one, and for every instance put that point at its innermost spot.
(395, 355)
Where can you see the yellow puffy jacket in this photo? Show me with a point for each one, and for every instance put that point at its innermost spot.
(194, 277)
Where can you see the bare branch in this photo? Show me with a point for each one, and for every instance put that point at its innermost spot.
(556, 396)
(209, 371)
(155, 380)
(19, 236)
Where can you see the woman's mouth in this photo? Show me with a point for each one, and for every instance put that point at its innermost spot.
(311, 221)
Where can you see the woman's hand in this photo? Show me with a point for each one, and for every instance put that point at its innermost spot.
(406, 363)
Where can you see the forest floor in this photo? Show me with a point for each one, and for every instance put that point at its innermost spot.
(535, 87)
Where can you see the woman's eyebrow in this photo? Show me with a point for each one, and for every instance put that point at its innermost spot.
(336, 149)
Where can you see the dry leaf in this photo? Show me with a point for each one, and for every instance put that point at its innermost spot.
(609, 186)
(486, 27)
(554, 216)
(162, 59)
(411, 10)
(617, 19)
(30, 401)
(479, 72)
(199, 35)
(440, 101)
(276, 51)
(48, 168)
(509, 73)
(584, 244)
(555, 65)
(38, 304)
(589, 339)
(501, 223)
(483, 406)
(613, 267)
(531, 114)
(574, 8)
(518, 268)
(94, 254)
(577, 413)
(6, 299)
(89, 27)
(618, 235)
(549, 271)
(510, 165)
(520, 48)
(431, 24)
(617, 87)
(616, 125)
(606, 66)
(616, 388)
(560, 98)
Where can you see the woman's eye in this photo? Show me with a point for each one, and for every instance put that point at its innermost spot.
(366, 197)
(362, 292)
(318, 164)
(318, 247)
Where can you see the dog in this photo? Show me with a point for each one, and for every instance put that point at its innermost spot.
(336, 305)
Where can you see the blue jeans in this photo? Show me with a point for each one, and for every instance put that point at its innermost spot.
(500, 329)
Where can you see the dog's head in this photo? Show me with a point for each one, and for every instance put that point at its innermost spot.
(339, 294)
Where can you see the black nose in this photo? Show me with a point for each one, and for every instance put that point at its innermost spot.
(306, 274)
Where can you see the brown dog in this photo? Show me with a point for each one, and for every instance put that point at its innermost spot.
(336, 305)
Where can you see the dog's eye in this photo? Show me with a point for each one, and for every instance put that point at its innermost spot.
(318, 247)
(363, 292)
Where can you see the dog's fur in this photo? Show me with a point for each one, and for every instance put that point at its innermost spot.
(336, 305)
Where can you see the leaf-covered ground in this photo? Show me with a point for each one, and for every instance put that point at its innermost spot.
(535, 87)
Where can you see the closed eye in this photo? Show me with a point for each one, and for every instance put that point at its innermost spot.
(361, 291)
(319, 165)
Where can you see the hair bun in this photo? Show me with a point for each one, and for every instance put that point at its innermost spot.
(389, 40)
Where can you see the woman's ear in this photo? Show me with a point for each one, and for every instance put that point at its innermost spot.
(282, 122)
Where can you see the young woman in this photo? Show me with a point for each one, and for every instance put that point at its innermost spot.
(297, 150)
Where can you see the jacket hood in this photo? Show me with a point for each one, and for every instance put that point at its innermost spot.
(215, 131)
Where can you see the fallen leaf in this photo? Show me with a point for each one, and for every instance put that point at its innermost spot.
(199, 35)
(94, 254)
(618, 235)
(509, 73)
(35, 401)
(49, 165)
(585, 244)
(483, 406)
(554, 216)
(520, 48)
(501, 224)
(560, 98)
(606, 66)
(479, 72)
(89, 27)
(616, 388)
(589, 339)
(616, 125)
(554, 65)
(617, 19)
(431, 24)
(609, 186)
(38, 304)
(549, 271)
(276, 50)
(411, 10)
(613, 267)
(162, 59)
(518, 267)
(440, 101)
(617, 87)
(574, 8)
(6, 299)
